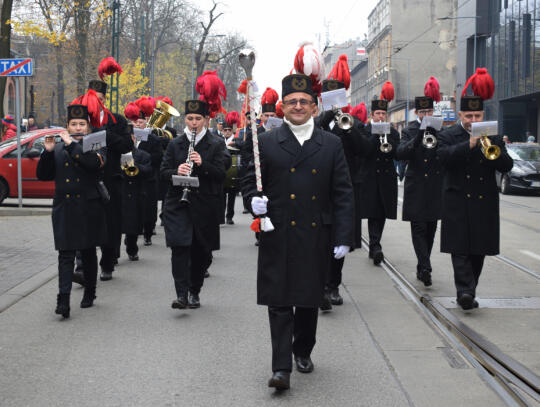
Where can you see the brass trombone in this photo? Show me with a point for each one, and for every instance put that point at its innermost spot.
(161, 115)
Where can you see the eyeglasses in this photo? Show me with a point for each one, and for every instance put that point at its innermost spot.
(227, 129)
(294, 102)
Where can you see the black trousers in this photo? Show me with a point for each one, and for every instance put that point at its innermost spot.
(293, 331)
(110, 251)
(189, 264)
(423, 234)
(467, 270)
(229, 197)
(375, 230)
(66, 259)
(131, 245)
(335, 276)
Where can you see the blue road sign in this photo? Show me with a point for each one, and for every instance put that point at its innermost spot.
(16, 67)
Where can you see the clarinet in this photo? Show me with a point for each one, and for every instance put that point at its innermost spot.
(185, 193)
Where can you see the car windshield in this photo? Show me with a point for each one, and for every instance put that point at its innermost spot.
(530, 153)
(9, 142)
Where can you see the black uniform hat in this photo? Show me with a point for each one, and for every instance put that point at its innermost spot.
(196, 107)
(331, 84)
(98, 86)
(483, 88)
(379, 104)
(296, 83)
(472, 104)
(423, 102)
(77, 112)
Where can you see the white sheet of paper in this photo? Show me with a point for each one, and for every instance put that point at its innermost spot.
(380, 128)
(141, 134)
(94, 141)
(434, 122)
(125, 158)
(485, 129)
(334, 99)
(184, 181)
(273, 122)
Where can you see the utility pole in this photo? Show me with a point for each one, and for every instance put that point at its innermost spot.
(115, 52)
(153, 55)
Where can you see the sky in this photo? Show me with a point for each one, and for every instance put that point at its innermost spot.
(275, 29)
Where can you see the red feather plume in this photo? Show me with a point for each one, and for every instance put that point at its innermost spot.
(132, 111)
(431, 89)
(308, 62)
(387, 92)
(243, 87)
(211, 90)
(279, 110)
(95, 107)
(232, 118)
(360, 111)
(165, 99)
(108, 66)
(482, 84)
(340, 71)
(269, 97)
(147, 104)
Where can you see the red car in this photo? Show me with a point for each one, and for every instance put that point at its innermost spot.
(31, 148)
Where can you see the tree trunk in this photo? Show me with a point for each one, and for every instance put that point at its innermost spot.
(5, 45)
(60, 87)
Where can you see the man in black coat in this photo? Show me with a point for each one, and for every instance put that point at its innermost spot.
(470, 203)
(78, 213)
(377, 179)
(423, 187)
(307, 194)
(192, 230)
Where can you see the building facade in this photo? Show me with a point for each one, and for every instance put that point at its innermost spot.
(504, 37)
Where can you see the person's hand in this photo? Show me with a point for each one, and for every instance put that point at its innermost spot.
(49, 143)
(473, 141)
(259, 205)
(341, 251)
(196, 158)
(183, 169)
(66, 138)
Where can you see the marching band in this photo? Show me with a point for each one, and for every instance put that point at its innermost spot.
(308, 183)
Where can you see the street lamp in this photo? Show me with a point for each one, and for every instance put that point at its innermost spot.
(474, 40)
(408, 83)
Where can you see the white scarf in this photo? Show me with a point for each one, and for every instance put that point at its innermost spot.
(198, 137)
(302, 132)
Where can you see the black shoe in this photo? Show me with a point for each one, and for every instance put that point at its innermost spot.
(78, 277)
(257, 243)
(425, 277)
(88, 297)
(230, 222)
(148, 241)
(206, 274)
(193, 301)
(105, 275)
(280, 380)
(245, 211)
(335, 298)
(378, 257)
(181, 302)
(133, 258)
(326, 305)
(466, 301)
(62, 305)
(303, 365)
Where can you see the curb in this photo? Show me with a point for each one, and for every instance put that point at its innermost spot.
(25, 212)
(27, 287)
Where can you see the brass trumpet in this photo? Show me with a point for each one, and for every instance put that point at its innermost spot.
(385, 147)
(129, 167)
(490, 151)
(161, 115)
(343, 120)
(429, 140)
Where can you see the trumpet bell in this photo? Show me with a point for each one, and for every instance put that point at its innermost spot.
(386, 147)
(429, 141)
(490, 151)
(345, 121)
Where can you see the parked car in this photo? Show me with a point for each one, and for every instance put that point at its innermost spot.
(31, 148)
(525, 174)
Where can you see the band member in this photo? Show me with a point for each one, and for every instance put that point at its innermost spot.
(230, 187)
(423, 180)
(377, 176)
(470, 203)
(268, 102)
(307, 191)
(135, 173)
(347, 129)
(190, 227)
(78, 213)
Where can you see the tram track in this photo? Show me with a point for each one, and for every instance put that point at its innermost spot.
(515, 384)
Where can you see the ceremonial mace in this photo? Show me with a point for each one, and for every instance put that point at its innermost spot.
(247, 61)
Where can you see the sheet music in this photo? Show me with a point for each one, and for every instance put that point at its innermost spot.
(434, 122)
(334, 99)
(485, 128)
(94, 141)
(380, 128)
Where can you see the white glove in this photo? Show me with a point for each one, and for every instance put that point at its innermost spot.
(341, 251)
(258, 205)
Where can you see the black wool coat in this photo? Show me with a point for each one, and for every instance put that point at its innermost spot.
(134, 195)
(309, 191)
(153, 146)
(470, 203)
(423, 178)
(377, 176)
(78, 213)
(203, 214)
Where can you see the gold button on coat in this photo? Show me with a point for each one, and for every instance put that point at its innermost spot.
(293, 169)
(313, 197)
(293, 223)
(67, 179)
(480, 196)
(314, 171)
(66, 164)
(293, 196)
(314, 224)
(468, 195)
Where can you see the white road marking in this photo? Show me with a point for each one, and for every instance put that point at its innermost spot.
(531, 254)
